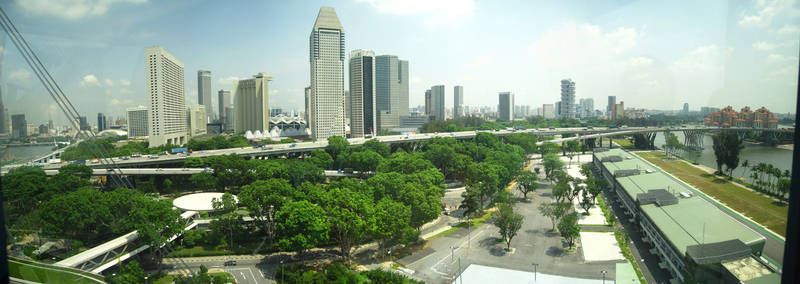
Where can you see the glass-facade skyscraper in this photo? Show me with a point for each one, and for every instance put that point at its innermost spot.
(326, 52)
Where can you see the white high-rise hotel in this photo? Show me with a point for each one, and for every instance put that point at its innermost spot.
(251, 102)
(326, 53)
(165, 97)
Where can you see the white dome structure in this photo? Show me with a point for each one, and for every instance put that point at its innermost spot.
(198, 201)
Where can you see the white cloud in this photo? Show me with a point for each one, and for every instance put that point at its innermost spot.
(702, 60)
(124, 83)
(764, 45)
(415, 79)
(435, 13)
(789, 30)
(90, 81)
(108, 82)
(20, 75)
(70, 9)
(765, 12)
(640, 61)
(115, 101)
(581, 45)
(274, 91)
(481, 61)
(780, 58)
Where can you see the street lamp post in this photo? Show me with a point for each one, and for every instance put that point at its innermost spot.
(282, 273)
(604, 276)
(535, 265)
(452, 252)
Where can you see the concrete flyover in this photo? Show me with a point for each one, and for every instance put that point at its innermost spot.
(643, 130)
(278, 150)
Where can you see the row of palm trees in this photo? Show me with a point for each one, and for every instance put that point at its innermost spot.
(768, 179)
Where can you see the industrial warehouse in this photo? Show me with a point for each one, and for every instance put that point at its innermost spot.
(694, 239)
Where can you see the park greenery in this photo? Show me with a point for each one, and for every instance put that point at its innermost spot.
(727, 146)
(507, 222)
(337, 272)
(769, 179)
(469, 123)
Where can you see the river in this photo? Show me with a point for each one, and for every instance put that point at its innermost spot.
(22, 153)
(754, 153)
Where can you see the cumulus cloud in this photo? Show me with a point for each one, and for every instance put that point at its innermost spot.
(480, 62)
(124, 83)
(789, 30)
(575, 45)
(780, 58)
(90, 81)
(20, 75)
(764, 12)
(70, 9)
(702, 60)
(640, 61)
(227, 82)
(108, 82)
(435, 13)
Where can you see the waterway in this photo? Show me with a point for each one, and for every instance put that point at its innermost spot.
(754, 153)
(23, 153)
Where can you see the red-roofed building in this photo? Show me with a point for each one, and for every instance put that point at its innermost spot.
(728, 117)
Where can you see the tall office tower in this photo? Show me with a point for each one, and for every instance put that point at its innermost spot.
(3, 115)
(223, 101)
(326, 44)
(307, 112)
(548, 111)
(83, 123)
(428, 102)
(19, 126)
(166, 98)
(347, 105)
(137, 121)
(43, 130)
(558, 108)
(685, 108)
(204, 92)
(505, 107)
(611, 101)
(567, 98)
(196, 120)
(391, 90)
(437, 102)
(458, 101)
(251, 102)
(101, 122)
(362, 93)
(230, 113)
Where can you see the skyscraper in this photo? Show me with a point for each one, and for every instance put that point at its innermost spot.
(611, 101)
(196, 120)
(204, 92)
(391, 90)
(458, 101)
(102, 123)
(166, 98)
(505, 106)
(558, 108)
(567, 98)
(362, 93)
(223, 101)
(137, 121)
(251, 102)
(437, 102)
(548, 111)
(83, 123)
(685, 108)
(307, 112)
(428, 102)
(19, 126)
(326, 44)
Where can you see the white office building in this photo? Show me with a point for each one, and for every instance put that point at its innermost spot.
(362, 93)
(197, 120)
(251, 102)
(567, 109)
(548, 111)
(224, 101)
(166, 98)
(326, 44)
(137, 121)
(458, 101)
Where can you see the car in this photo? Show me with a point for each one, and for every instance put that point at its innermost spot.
(230, 263)
(125, 158)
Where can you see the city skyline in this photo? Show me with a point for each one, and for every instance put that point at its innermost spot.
(628, 51)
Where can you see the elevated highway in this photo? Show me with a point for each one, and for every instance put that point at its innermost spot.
(278, 150)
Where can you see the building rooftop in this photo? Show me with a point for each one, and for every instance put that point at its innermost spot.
(327, 19)
(692, 221)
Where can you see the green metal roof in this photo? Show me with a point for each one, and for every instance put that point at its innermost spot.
(624, 273)
(682, 224)
(766, 279)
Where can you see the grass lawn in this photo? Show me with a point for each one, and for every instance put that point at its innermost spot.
(624, 143)
(47, 274)
(761, 209)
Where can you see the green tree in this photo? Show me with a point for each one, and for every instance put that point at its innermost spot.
(551, 163)
(263, 199)
(527, 183)
(194, 162)
(226, 206)
(442, 156)
(336, 146)
(586, 200)
(378, 147)
(131, 273)
(351, 218)
(81, 171)
(204, 181)
(321, 159)
(554, 211)
(405, 163)
(569, 228)
(508, 222)
(364, 161)
(392, 221)
(302, 225)
(573, 147)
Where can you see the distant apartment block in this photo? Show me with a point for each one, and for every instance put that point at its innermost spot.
(137, 121)
(728, 117)
(19, 126)
(458, 102)
(505, 106)
(567, 98)
(197, 120)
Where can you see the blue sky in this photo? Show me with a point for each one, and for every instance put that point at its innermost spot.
(650, 54)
